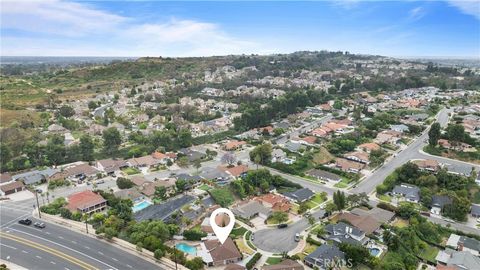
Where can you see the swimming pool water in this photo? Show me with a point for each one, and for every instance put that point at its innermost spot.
(187, 248)
(374, 251)
(140, 206)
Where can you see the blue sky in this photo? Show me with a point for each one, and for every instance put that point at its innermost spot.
(141, 28)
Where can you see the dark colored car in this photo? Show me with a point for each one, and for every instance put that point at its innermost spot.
(39, 225)
(26, 221)
(283, 225)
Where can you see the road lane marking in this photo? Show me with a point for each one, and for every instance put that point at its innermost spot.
(65, 247)
(24, 251)
(115, 259)
(61, 237)
(74, 242)
(101, 253)
(52, 262)
(48, 250)
(47, 232)
(86, 247)
(129, 266)
(15, 220)
(14, 248)
(38, 257)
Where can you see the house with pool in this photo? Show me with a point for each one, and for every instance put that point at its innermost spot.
(213, 253)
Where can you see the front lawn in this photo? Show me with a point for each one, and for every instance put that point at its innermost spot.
(400, 223)
(274, 260)
(243, 248)
(384, 197)
(236, 232)
(131, 171)
(222, 196)
(318, 198)
(205, 187)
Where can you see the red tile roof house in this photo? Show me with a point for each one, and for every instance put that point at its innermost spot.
(86, 202)
(361, 157)
(427, 164)
(348, 166)
(213, 253)
(237, 171)
(233, 145)
(368, 147)
(275, 202)
(162, 158)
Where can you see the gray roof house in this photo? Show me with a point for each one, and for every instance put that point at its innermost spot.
(411, 193)
(251, 210)
(460, 170)
(400, 128)
(345, 233)
(214, 174)
(322, 255)
(439, 202)
(164, 210)
(419, 116)
(323, 175)
(35, 176)
(294, 146)
(458, 259)
(475, 212)
(300, 195)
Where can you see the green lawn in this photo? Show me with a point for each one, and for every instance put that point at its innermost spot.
(205, 187)
(318, 198)
(429, 253)
(131, 171)
(274, 260)
(240, 231)
(384, 197)
(341, 184)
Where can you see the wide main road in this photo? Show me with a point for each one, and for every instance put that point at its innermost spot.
(56, 247)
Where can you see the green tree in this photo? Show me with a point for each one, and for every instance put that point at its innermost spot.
(279, 217)
(184, 138)
(456, 134)
(195, 264)
(124, 183)
(434, 134)
(183, 162)
(339, 200)
(263, 151)
(181, 184)
(86, 148)
(111, 140)
(66, 111)
(55, 150)
(160, 192)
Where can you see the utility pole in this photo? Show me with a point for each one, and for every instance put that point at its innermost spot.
(38, 204)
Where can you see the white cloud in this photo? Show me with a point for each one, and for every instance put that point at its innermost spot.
(64, 28)
(417, 13)
(471, 7)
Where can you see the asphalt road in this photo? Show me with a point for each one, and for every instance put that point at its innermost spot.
(279, 240)
(55, 247)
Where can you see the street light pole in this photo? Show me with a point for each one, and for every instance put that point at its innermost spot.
(38, 204)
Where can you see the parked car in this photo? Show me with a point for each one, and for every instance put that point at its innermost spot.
(252, 237)
(297, 237)
(39, 225)
(427, 214)
(100, 182)
(26, 221)
(283, 225)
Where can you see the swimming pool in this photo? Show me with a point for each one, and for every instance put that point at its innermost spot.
(140, 206)
(187, 248)
(374, 251)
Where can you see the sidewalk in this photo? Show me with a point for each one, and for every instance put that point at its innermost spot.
(119, 243)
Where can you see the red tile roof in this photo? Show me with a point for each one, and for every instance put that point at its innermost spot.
(237, 170)
(83, 200)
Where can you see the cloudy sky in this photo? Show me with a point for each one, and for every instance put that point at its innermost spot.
(159, 28)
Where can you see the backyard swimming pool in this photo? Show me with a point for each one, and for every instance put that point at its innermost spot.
(187, 248)
(374, 251)
(139, 206)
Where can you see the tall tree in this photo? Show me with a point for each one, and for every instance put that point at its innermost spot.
(229, 158)
(111, 140)
(184, 138)
(264, 151)
(339, 200)
(55, 150)
(86, 148)
(434, 134)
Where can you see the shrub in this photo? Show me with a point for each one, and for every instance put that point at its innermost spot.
(193, 235)
(253, 261)
(124, 183)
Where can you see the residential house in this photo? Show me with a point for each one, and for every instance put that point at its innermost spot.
(299, 195)
(410, 193)
(365, 223)
(324, 257)
(214, 253)
(138, 180)
(278, 155)
(86, 202)
(35, 177)
(475, 211)
(294, 146)
(379, 214)
(234, 145)
(463, 170)
(368, 147)
(388, 137)
(348, 166)
(130, 193)
(205, 225)
(430, 165)
(5, 178)
(11, 187)
(323, 175)
(358, 156)
(400, 128)
(308, 140)
(275, 202)
(345, 233)
(217, 174)
(463, 243)
(286, 264)
(192, 155)
(252, 209)
(164, 210)
(449, 259)
(163, 158)
(111, 166)
(439, 202)
(148, 188)
(237, 171)
(79, 172)
(143, 162)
